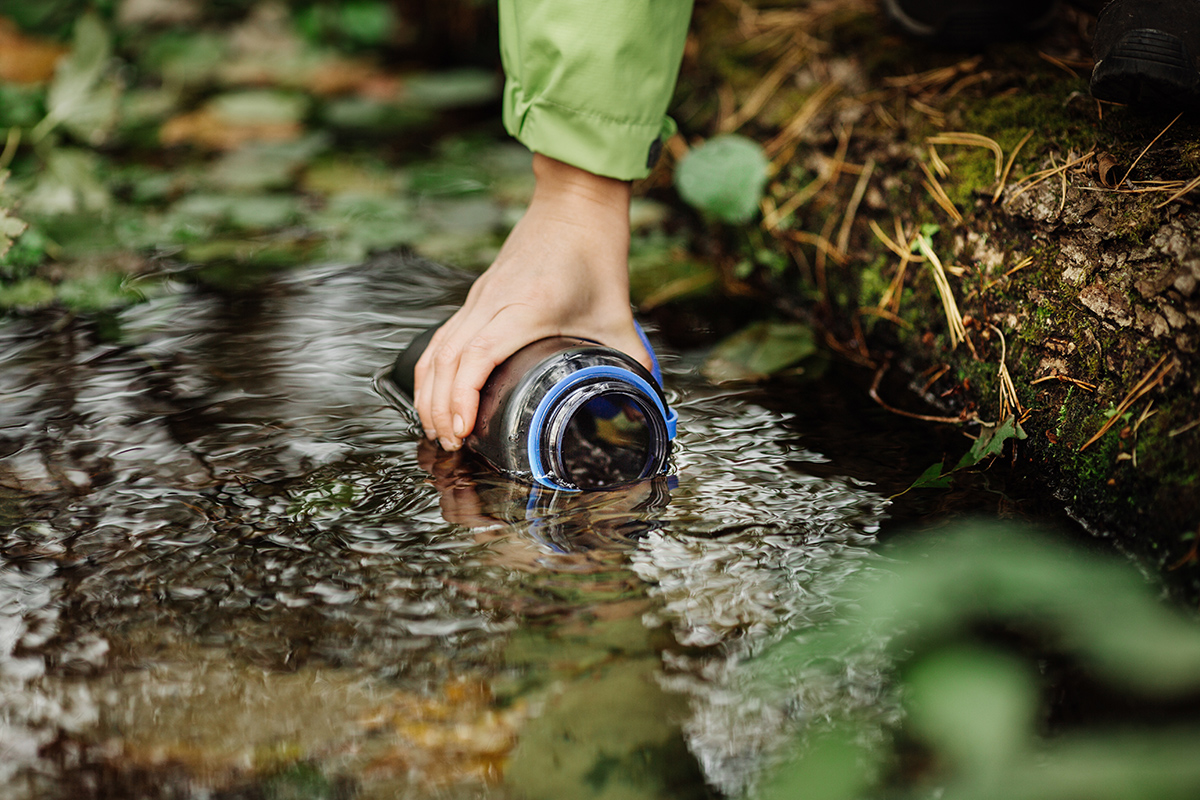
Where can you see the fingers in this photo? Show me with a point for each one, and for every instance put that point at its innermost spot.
(455, 367)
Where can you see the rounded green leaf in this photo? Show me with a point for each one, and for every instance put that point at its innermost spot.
(724, 177)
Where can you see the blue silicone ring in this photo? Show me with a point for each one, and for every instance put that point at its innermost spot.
(540, 473)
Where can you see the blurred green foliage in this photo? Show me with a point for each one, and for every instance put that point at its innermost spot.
(949, 608)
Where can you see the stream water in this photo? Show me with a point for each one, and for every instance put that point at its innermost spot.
(229, 569)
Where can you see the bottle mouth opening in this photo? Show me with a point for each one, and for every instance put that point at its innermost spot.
(603, 435)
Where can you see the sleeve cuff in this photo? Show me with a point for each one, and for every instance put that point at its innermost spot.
(604, 146)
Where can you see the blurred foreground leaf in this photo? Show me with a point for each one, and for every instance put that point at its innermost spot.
(759, 351)
(10, 227)
(81, 98)
(724, 177)
(975, 706)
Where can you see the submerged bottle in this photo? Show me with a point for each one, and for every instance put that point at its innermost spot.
(565, 413)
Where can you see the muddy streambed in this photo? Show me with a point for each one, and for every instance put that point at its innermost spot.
(229, 569)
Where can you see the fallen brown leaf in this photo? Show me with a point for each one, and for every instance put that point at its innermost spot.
(207, 128)
(25, 59)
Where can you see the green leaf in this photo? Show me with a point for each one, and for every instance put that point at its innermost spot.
(724, 177)
(932, 478)
(760, 350)
(991, 441)
(70, 183)
(79, 99)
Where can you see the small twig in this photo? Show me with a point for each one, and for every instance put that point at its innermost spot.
(935, 378)
(874, 393)
(1191, 556)
(1089, 387)
(1149, 381)
(820, 242)
(1145, 415)
(1058, 62)
(1146, 149)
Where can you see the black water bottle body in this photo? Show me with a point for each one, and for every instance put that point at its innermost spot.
(566, 413)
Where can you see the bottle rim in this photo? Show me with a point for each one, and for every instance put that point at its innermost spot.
(564, 400)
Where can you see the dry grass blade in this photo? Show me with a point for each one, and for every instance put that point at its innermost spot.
(888, 242)
(803, 118)
(939, 166)
(1065, 66)
(1012, 157)
(958, 331)
(835, 167)
(1189, 186)
(970, 140)
(820, 242)
(1182, 429)
(1025, 262)
(1089, 387)
(765, 90)
(860, 189)
(934, 77)
(1149, 381)
(883, 313)
(1008, 392)
(1146, 149)
(1033, 179)
(12, 141)
(939, 195)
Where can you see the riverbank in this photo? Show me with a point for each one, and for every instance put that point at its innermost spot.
(1064, 232)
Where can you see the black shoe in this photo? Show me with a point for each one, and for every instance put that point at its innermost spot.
(970, 24)
(1146, 53)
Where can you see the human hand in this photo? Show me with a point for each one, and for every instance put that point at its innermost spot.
(563, 271)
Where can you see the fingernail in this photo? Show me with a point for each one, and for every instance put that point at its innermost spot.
(448, 444)
(460, 429)
(430, 434)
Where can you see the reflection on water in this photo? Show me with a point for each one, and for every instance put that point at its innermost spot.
(227, 565)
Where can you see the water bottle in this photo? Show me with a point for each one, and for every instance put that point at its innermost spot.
(566, 413)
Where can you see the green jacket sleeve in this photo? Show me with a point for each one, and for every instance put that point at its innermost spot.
(588, 81)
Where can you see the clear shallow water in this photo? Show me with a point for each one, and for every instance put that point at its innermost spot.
(228, 568)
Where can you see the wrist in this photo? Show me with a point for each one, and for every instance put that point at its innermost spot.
(561, 182)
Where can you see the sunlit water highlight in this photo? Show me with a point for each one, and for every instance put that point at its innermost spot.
(222, 556)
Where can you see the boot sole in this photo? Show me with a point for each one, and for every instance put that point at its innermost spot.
(1148, 67)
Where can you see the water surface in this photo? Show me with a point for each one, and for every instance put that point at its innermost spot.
(228, 568)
